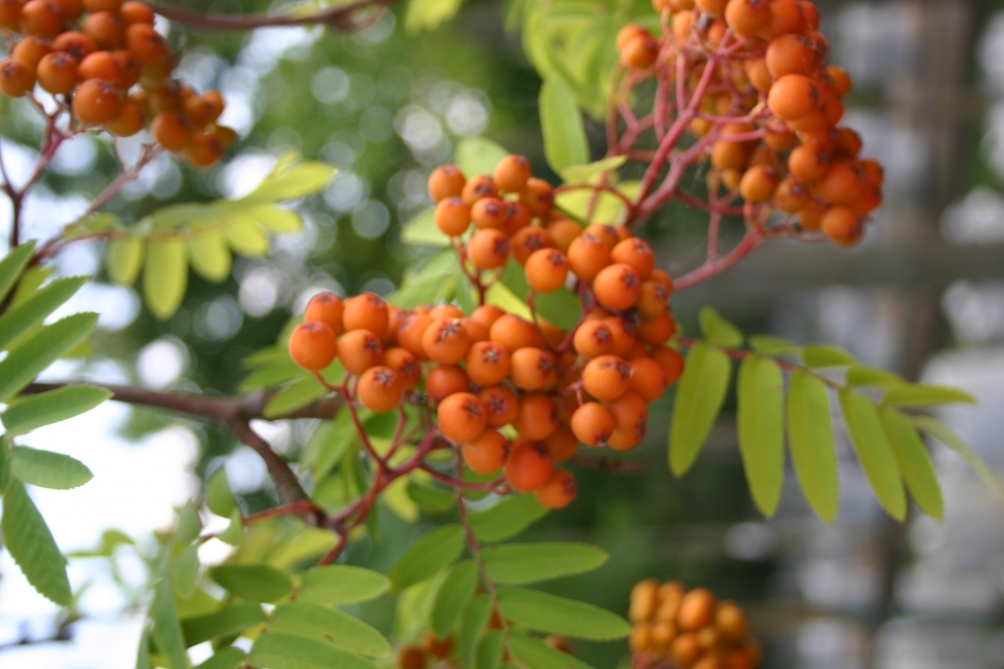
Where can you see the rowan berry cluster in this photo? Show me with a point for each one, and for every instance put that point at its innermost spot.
(689, 629)
(105, 60)
(772, 106)
(493, 374)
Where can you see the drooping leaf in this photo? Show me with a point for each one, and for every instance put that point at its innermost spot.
(210, 255)
(329, 625)
(230, 620)
(874, 452)
(277, 219)
(28, 413)
(125, 259)
(456, 590)
(770, 345)
(536, 654)
(717, 330)
(228, 658)
(914, 462)
(760, 423)
(472, 623)
(165, 275)
(699, 398)
(429, 14)
(477, 155)
(507, 518)
(166, 627)
(422, 230)
(577, 174)
(819, 356)
(945, 435)
(434, 551)
(255, 583)
(519, 564)
(31, 357)
(565, 143)
(292, 181)
(813, 449)
(32, 311)
(246, 237)
(489, 653)
(12, 265)
(871, 377)
(47, 469)
(219, 499)
(279, 650)
(32, 546)
(549, 613)
(918, 395)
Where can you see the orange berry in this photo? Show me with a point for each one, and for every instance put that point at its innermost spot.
(747, 17)
(437, 647)
(410, 657)
(146, 44)
(790, 54)
(842, 225)
(842, 184)
(517, 217)
(640, 52)
(76, 44)
(840, 80)
(476, 331)
(808, 163)
(592, 339)
(227, 136)
(103, 5)
(10, 14)
(759, 183)
(206, 108)
(671, 362)
(685, 650)
(130, 70)
(359, 350)
(697, 610)
(379, 389)
(57, 73)
(654, 299)
(793, 96)
(445, 380)
(637, 253)
(489, 212)
(617, 286)
(205, 149)
(512, 173)
(647, 378)
(105, 29)
(172, 130)
(628, 32)
(41, 17)
(31, 49)
(100, 65)
(131, 119)
(446, 181)
(592, 424)
(513, 333)
(538, 196)
(536, 416)
(487, 314)
(623, 335)
(96, 101)
(562, 444)
(630, 414)
(409, 335)
(587, 256)
(446, 341)
(731, 623)
(811, 14)
(477, 188)
(564, 231)
(558, 491)
(533, 369)
(810, 217)
(713, 7)
(683, 23)
(791, 195)
(501, 405)
(528, 466)
(366, 312)
(785, 17)
(487, 363)
(656, 331)
(758, 74)
(71, 9)
(135, 12)
(325, 308)
(452, 216)
(546, 270)
(606, 377)
(608, 234)
(488, 249)
(461, 417)
(16, 77)
(486, 454)
(405, 365)
(870, 200)
(312, 346)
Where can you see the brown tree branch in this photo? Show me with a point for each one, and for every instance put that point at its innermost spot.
(342, 17)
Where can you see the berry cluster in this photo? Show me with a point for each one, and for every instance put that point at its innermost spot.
(690, 629)
(493, 373)
(113, 69)
(772, 106)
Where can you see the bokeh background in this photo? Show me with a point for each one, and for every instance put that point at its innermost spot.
(923, 296)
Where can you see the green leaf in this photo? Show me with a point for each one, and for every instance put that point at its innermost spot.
(328, 444)
(431, 283)
(519, 564)
(914, 462)
(502, 297)
(557, 615)
(429, 14)
(870, 377)
(12, 265)
(302, 392)
(30, 281)
(246, 237)
(561, 307)
(477, 155)
(773, 346)
(431, 500)
(577, 174)
(278, 650)
(456, 590)
(166, 629)
(47, 469)
(717, 330)
(810, 437)
(329, 625)
(255, 583)
(165, 276)
(874, 452)
(699, 398)
(565, 143)
(219, 499)
(945, 435)
(434, 551)
(342, 584)
(292, 182)
(506, 519)
(124, 259)
(760, 423)
(278, 220)
(185, 571)
(228, 621)
(28, 413)
(210, 255)
(30, 543)
(189, 524)
(33, 356)
(235, 530)
(472, 623)
(489, 653)
(918, 395)
(228, 658)
(819, 356)
(422, 230)
(535, 654)
(143, 651)
(32, 311)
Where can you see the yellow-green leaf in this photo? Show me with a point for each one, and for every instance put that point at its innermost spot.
(549, 613)
(278, 220)
(246, 237)
(914, 462)
(125, 259)
(434, 551)
(945, 435)
(565, 143)
(818, 355)
(279, 650)
(761, 430)
(210, 255)
(429, 14)
(773, 346)
(315, 621)
(577, 174)
(12, 265)
(47, 469)
(456, 590)
(874, 452)
(717, 330)
(918, 395)
(422, 230)
(255, 583)
(810, 437)
(30, 543)
(165, 276)
(28, 413)
(32, 311)
(29, 358)
(342, 584)
(477, 155)
(699, 398)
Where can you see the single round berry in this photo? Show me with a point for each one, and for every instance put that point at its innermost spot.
(486, 454)
(536, 417)
(446, 181)
(606, 377)
(592, 424)
(312, 346)
(445, 380)
(325, 308)
(379, 389)
(546, 270)
(528, 466)
(618, 286)
(96, 101)
(462, 417)
(359, 350)
(512, 173)
(558, 491)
